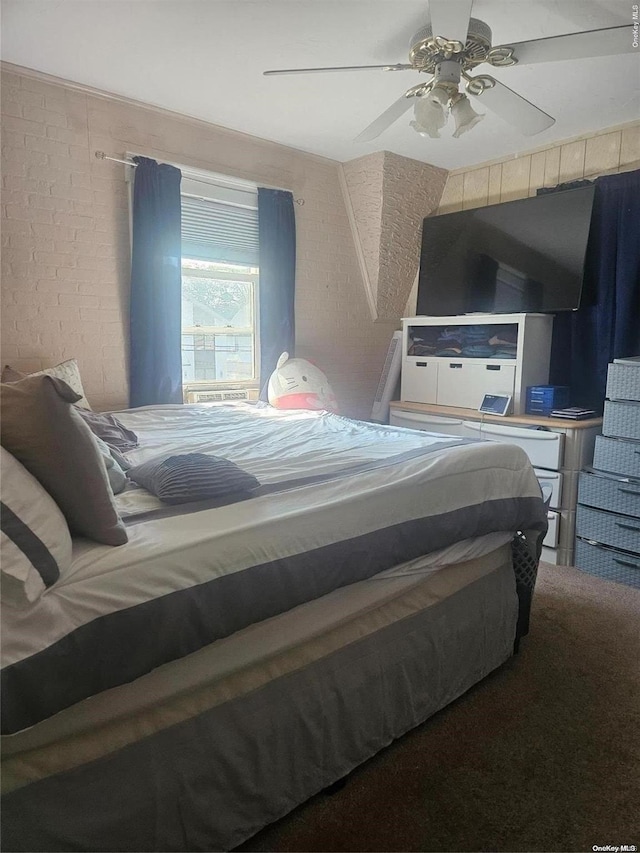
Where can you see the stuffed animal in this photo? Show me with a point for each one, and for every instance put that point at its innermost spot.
(298, 384)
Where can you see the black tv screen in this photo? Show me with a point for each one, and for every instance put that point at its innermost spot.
(519, 256)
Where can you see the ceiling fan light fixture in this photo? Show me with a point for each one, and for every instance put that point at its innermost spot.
(464, 115)
(430, 116)
(441, 94)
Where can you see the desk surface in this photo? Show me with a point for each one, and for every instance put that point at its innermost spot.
(507, 420)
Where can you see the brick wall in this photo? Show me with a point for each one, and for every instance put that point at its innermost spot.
(65, 236)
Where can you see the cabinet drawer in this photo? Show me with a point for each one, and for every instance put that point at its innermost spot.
(544, 449)
(623, 382)
(430, 423)
(464, 384)
(608, 528)
(621, 420)
(617, 456)
(608, 493)
(551, 485)
(553, 532)
(607, 563)
(419, 380)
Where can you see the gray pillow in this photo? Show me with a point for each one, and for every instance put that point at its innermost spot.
(192, 477)
(41, 428)
(110, 430)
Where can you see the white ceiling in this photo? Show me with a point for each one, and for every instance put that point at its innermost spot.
(205, 58)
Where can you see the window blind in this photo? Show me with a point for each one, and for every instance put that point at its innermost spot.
(215, 231)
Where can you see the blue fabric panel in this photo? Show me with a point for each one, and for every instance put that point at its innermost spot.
(607, 324)
(156, 285)
(277, 233)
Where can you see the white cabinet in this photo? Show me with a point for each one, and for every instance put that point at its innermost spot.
(544, 448)
(558, 450)
(455, 361)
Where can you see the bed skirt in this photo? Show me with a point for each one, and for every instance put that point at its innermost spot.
(212, 779)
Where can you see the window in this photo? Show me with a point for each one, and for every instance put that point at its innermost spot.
(219, 329)
(220, 280)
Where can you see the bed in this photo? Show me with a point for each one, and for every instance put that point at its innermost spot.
(239, 654)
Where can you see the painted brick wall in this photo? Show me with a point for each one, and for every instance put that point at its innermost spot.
(65, 236)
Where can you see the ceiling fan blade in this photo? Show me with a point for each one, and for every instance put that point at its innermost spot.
(385, 120)
(450, 18)
(607, 42)
(515, 109)
(397, 66)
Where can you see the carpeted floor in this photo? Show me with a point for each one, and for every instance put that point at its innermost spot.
(544, 755)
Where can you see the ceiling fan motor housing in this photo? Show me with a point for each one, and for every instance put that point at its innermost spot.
(425, 53)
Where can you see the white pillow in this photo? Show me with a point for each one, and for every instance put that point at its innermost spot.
(35, 543)
(68, 371)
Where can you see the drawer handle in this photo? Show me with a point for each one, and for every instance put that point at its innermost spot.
(455, 366)
(421, 363)
(493, 367)
(627, 527)
(629, 491)
(626, 563)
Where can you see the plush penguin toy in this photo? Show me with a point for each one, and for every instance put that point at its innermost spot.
(298, 384)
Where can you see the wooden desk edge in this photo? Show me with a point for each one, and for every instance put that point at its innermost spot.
(508, 420)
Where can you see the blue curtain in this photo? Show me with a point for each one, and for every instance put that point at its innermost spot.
(607, 324)
(277, 238)
(155, 316)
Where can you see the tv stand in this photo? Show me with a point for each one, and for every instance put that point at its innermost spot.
(456, 360)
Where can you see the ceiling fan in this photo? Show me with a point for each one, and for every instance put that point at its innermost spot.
(450, 47)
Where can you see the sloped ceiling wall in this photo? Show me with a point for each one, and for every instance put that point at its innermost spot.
(387, 197)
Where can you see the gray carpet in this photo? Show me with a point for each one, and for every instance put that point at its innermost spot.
(544, 755)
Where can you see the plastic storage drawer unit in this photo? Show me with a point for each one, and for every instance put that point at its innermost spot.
(621, 419)
(623, 381)
(617, 456)
(607, 563)
(610, 493)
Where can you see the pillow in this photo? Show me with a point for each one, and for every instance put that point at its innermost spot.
(191, 477)
(68, 371)
(110, 430)
(41, 428)
(35, 543)
(117, 477)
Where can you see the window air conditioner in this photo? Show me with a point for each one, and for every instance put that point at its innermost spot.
(222, 395)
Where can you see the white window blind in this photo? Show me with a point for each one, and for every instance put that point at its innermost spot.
(215, 231)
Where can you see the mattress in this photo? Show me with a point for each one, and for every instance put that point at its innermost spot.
(341, 502)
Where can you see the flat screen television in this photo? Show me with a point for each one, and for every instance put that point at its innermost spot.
(519, 256)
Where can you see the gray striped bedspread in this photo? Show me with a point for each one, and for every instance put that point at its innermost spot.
(339, 502)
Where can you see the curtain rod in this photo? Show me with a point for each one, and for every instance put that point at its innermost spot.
(100, 155)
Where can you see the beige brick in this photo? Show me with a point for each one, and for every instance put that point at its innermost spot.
(21, 125)
(10, 108)
(47, 146)
(81, 300)
(47, 117)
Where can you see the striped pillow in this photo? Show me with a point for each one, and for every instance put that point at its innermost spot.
(192, 477)
(35, 543)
